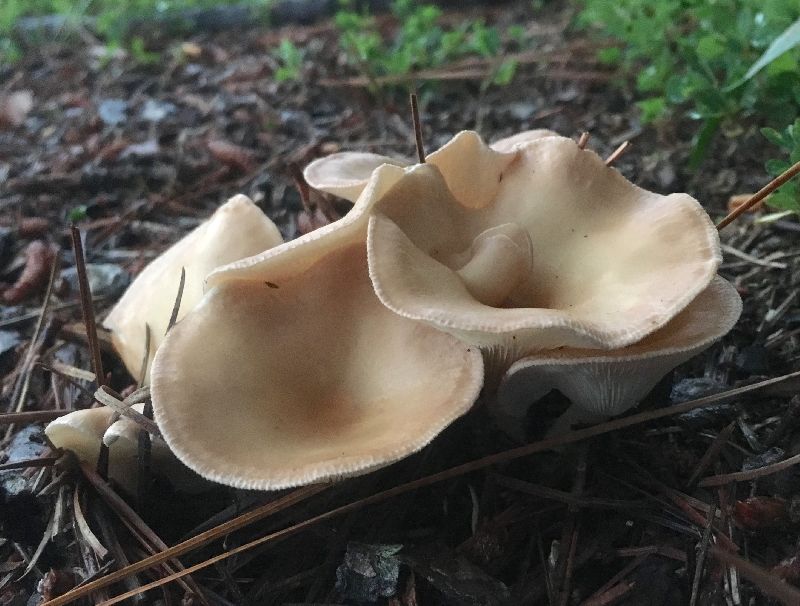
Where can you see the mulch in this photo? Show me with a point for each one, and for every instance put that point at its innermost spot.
(139, 153)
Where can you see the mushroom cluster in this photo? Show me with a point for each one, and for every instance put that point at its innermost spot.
(236, 230)
(523, 266)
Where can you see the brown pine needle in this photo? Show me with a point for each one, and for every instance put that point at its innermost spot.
(768, 583)
(177, 306)
(750, 474)
(33, 416)
(757, 197)
(459, 470)
(584, 140)
(618, 152)
(86, 305)
(417, 128)
(196, 542)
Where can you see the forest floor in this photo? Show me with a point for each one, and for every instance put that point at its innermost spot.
(139, 153)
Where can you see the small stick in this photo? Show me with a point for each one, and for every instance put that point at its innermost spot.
(617, 153)
(91, 330)
(33, 416)
(459, 470)
(86, 306)
(584, 139)
(770, 187)
(701, 558)
(177, 306)
(711, 454)
(40, 462)
(417, 128)
(767, 582)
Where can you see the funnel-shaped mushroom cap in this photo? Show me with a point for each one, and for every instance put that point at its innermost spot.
(291, 371)
(509, 144)
(83, 431)
(278, 382)
(236, 230)
(604, 383)
(346, 174)
(565, 250)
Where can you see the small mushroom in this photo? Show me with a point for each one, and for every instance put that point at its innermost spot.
(606, 383)
(236, 230)
(291, 371)
(553, 249)
(83, 431)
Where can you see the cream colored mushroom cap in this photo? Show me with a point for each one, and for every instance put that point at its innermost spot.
(277, 382)
(237, 229)
(577, 255)
(83, 431)
(604, 383)
(346, 174)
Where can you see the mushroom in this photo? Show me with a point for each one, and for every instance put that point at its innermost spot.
(291, 371)
(551, 249)
(606, 383)
(236, 230)
(345, 174)
(83, 431)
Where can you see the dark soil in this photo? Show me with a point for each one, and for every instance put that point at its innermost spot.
(140, 153)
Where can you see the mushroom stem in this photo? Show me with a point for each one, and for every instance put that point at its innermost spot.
(500, 258)
(417, 128)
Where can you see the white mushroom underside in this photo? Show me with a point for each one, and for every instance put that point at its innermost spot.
(605, 383)
(274, 384)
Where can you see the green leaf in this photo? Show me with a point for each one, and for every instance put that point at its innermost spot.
(784, 42)
(652, 109)
(505, 73)
(708, 48)
(776, 167)
(773, 136)
(610, 55)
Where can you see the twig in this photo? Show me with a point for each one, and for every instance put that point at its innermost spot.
(770, 187)
(711, 454)
(769, 584)
(83, 526)
(91, 331)
(123, 510)
(701, 558)
(417, 128)
(86, 306)
(459, 470)
(21, 389)
(196, 542)
(112, 400)
(584, 140)
(177, 306)
(618, 152)
(39, 462)
(750, 474)
(33, 416)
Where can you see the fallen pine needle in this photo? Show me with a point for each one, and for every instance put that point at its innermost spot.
(501, 457)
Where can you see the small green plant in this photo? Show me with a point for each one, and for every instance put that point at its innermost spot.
(695, 57)
(788, 196)
(109, 19)
(291, 61)
(418, 43)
